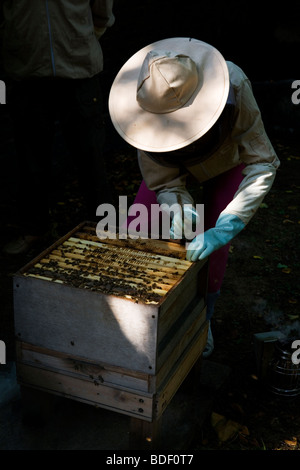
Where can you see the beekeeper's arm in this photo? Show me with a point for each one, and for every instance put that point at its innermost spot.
(261, 162)
(103, 17)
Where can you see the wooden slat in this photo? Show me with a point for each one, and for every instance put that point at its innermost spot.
(174, 248)
(96, 372)
(179, 298)
(177, 340)
(109, 268)
(111, 398)
(180, 370)
(87, 324)
(160, 289)
(101, 262)
(151, 259)
(118, 274)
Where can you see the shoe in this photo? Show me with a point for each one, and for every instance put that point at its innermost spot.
(209, 347)
(20, 245)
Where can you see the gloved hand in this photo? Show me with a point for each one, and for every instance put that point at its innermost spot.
(184, 223)
(176, 195)
(226, 228)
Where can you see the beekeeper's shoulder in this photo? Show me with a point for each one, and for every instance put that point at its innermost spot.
(236, 74)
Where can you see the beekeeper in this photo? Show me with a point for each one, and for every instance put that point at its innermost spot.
(191, 114)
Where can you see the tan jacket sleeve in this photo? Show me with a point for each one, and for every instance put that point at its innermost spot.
(255, 150)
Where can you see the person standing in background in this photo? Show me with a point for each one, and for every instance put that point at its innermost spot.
(53, 59)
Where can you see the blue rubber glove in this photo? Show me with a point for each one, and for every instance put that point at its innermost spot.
(183, 223)
(226, 228)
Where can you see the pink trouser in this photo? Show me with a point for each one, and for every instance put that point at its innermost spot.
(218, 192)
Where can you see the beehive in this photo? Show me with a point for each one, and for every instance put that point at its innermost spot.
(115, 323)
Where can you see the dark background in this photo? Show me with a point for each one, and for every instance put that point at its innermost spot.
(262, 38)
(261, 287)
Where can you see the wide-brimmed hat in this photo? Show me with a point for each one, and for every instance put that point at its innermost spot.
(169, 94)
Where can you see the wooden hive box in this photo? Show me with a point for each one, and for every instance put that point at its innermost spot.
(114, 323)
